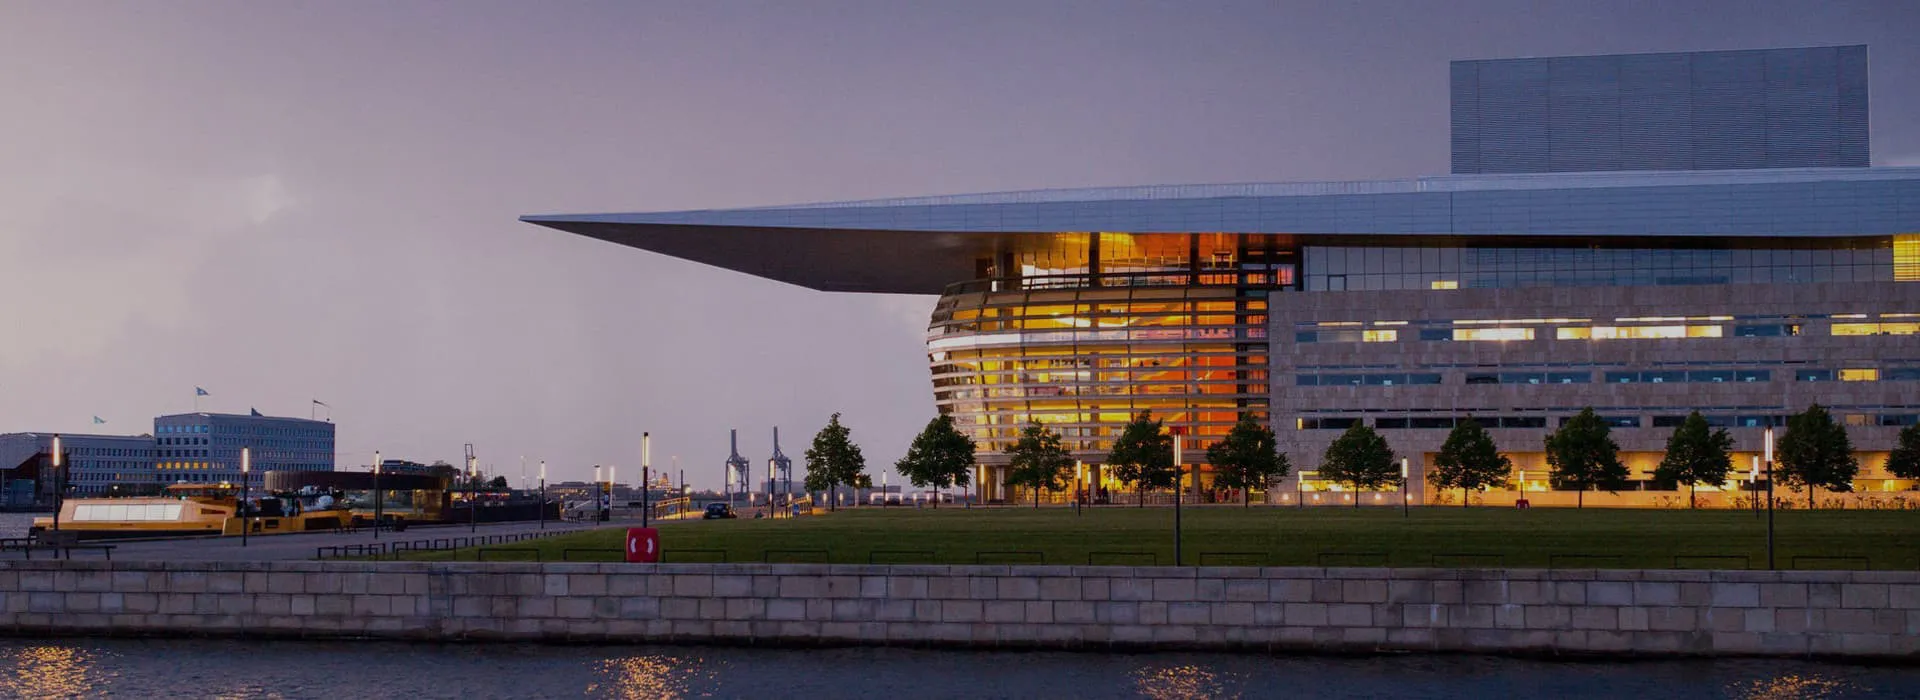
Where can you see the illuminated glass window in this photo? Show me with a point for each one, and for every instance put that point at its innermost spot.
(1446, 284)
(1638, 332)
(1906, 258)
(1493, 334)
(1381, 336)
(1859, 375)
(1876, 328)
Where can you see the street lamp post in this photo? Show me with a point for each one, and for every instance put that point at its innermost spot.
(598, 496)
(246, 465)
(377, 514)
(1080, 485)
(1178, 476)
(473, 501)
(58, 487)
(1769, 458)
(1753, 485)
(543, 494)
(771, 513)
(646, 470)
(612, 469)
(1406, 510)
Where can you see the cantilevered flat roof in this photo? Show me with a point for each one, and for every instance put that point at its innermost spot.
(917, 245)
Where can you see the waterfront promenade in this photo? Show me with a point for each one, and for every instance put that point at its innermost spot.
(292, 547)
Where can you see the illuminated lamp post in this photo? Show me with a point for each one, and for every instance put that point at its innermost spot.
(1179, 468)
(612, 469)
(377, 514)
(1769, 460)
(646, 467)
(1406, 509)
(771, 513)
(58, 487)
(1753, 485)
(543, 494)
(246, 465)
(473, 501)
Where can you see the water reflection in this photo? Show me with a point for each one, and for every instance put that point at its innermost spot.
(369, 669)
(46, 671)
(1179, 682)
(651, 676)
(1793, 687)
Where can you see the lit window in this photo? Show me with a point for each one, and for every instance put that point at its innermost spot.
(1639, 332)
(1906, 258)
(1493, 334)
(1387, 336)
(1859, 375)
(1876, 328)
(1446, 284)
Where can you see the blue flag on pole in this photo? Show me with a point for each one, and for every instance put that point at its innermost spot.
(256, 412)
(197, 391)
(98, 420)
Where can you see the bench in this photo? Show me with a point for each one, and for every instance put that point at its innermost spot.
(62, 550)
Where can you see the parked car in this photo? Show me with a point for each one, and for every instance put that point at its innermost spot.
(719, 511)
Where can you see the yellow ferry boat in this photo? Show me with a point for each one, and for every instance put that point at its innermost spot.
(198, 509)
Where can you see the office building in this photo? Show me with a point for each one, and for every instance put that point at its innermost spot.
(205, 447)
(97, 465)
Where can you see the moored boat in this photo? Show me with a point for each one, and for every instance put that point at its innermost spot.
(197, 509)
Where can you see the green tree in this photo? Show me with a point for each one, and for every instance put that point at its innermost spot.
(940, 457)
(1469, 460)
(499, 483)
(1904, 461)
(1038, 461)
(1696, 453)
(1248, 457)
(1582, 456)
(1816, 453)
(1143, 456)
(1360, 459)
(834, 459)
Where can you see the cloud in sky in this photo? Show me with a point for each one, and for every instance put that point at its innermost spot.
(290, 201)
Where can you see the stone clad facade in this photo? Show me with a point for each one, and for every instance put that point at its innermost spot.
(1655, 613)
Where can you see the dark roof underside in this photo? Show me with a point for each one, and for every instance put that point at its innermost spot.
(918, 245)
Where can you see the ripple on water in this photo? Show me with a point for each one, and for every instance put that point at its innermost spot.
(235, 669)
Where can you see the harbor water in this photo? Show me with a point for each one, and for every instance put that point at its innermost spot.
(287, 669)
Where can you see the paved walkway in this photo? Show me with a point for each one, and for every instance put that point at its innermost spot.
(295, 546)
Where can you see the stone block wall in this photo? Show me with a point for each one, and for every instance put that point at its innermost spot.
(1656, 613)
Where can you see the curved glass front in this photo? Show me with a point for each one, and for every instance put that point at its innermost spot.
(1096, 328)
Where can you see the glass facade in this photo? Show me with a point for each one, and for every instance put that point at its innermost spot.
(1453, 265)
(1096, 327)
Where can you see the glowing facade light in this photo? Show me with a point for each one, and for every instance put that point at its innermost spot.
(246, 460)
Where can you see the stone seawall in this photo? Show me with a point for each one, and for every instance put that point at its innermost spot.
(1791, 613)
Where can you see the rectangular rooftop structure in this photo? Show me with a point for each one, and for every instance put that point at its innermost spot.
(1704, 110)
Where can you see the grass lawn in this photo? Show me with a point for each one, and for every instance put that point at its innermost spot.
(1226, 536)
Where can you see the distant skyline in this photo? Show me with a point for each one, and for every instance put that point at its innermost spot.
(283, 202)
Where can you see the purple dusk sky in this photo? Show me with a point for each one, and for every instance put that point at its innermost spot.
(287, 201)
